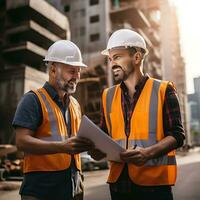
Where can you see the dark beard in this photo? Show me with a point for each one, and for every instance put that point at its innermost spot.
(117, 81)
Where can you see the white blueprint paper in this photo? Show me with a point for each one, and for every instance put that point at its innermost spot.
(101, 140)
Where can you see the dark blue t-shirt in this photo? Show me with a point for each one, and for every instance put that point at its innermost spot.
(54, 185)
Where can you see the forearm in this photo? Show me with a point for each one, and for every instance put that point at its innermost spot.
(172, 122)
(26, 142)
(163, 147)
(32, 145)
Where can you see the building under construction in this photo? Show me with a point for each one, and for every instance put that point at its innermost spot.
(29, 27)
(172, 60)
(93, 21)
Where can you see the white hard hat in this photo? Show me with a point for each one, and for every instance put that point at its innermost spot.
(125, 38)
(66, 52)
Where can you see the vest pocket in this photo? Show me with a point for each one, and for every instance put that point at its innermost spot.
(139, 126)
(117, 125)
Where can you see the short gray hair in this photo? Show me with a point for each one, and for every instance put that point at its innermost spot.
(48, 65)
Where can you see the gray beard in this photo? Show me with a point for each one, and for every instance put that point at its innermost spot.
(65, 87)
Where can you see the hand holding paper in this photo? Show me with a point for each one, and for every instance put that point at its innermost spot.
(96, 154)
(101, 140)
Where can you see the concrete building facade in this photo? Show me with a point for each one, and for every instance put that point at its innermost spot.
(172, 62)
(155, 20)
(194, 111)
(92, 22)
(28, 28)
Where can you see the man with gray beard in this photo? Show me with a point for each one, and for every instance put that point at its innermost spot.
(46, 122)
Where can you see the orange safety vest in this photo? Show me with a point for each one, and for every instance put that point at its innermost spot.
(53, 128)
(146, 130)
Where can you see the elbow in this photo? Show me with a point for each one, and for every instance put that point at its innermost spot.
(20, 145)
(23, 139)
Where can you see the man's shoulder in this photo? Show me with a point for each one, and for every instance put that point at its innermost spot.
(75, 103)
(28, 113)
(158, 80)
(29, 102)
(112, 88)
(169, 84)
(29, 98)
(73, 99)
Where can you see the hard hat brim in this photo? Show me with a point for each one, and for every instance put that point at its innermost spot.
(106, 52)
(76, 64)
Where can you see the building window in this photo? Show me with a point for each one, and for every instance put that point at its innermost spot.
(94, 37)
(82, 12)
(76, 32)
(94, 19)
(94, 2)
(75, 13)
(82, 31)
(67, 8)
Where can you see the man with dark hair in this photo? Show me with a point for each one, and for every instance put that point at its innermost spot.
(141, 114)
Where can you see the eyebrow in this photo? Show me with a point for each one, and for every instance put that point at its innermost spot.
(73, 69)
(110, 58)
(117, 54)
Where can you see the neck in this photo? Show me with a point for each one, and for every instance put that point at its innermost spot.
(62, 95)
(132, 81)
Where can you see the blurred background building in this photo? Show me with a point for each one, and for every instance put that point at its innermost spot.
(194, 112)
(29, 27)
(172, 62)
(91, 23)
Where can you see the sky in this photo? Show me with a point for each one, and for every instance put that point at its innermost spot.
(189, 23)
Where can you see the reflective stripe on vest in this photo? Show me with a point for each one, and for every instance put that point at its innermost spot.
(109, 99)
(122, 143)
(163, 160)
(154, 107)
(55, 136)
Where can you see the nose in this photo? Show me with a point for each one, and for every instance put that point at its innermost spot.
(112, 63)
(77, 73)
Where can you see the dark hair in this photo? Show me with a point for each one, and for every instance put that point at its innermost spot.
(133, 50)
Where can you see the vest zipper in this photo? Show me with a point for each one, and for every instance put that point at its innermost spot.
(127, 142)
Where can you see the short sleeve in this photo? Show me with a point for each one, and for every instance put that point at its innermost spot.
(28, 113)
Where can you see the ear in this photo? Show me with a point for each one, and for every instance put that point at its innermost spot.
(52, 69)
(138, 57)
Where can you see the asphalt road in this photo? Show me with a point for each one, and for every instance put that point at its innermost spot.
(188, 182)
(95, 185)
(187, 186)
